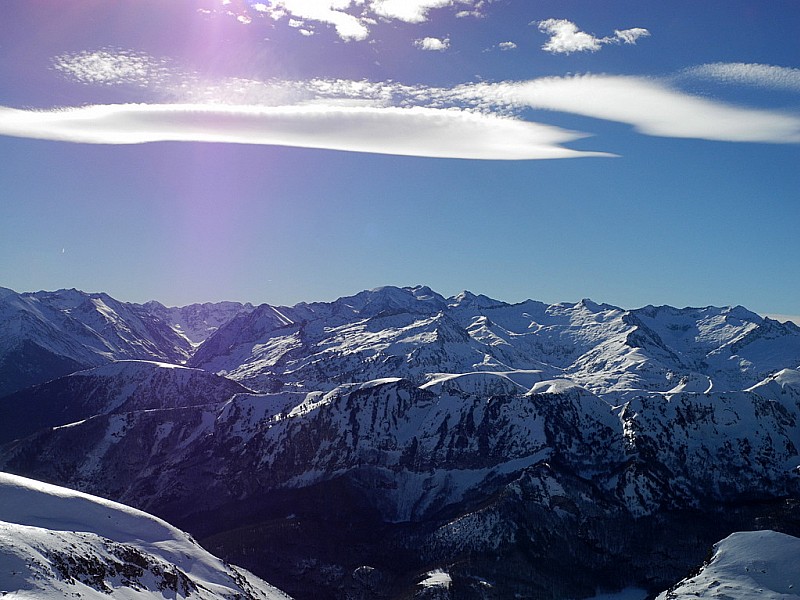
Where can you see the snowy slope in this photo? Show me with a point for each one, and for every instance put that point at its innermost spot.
(411, 332)
(432, 445)
(754, 565)
(430, 448)
(701, 449)
(56, 543)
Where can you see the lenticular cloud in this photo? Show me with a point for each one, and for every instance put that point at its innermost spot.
(653, 108)
(416, 131)
(470, 121)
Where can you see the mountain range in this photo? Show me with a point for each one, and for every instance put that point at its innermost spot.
(349, 449)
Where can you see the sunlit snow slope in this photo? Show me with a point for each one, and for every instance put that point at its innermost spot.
(57, 543)
(752, 565)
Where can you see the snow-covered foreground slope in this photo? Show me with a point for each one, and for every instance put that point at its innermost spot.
(752, 565)
(57, 543)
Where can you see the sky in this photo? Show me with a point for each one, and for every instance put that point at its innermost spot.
(629, 151)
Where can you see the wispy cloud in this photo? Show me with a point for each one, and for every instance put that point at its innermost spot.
(432, 43)
(415, 131)
(417, 11)
(630, 36)
(348, 27)
(566, 37)
(112, 66)
(758, 75)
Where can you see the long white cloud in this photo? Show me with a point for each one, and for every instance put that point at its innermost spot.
(650, 106)
(415, 131)
(468, 121)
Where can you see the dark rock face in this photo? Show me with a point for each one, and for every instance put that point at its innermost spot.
(130, 565)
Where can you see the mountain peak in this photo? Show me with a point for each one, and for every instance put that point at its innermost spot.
(467, 299)
(590, 305)
(743, 314)
(388, 299)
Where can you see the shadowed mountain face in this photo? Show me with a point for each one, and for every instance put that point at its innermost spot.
(116, 388)
(524, 449)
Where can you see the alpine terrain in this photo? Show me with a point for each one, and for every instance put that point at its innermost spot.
(398, 444)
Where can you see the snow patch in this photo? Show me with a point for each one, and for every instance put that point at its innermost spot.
(437, 578)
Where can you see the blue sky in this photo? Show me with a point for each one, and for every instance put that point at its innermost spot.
(632, 152)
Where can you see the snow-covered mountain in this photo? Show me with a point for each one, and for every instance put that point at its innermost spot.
(417, 334)
(747, 565)
(351, 448)
(197, 321)
(44, 335)
(413, 333)
(57, 543)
